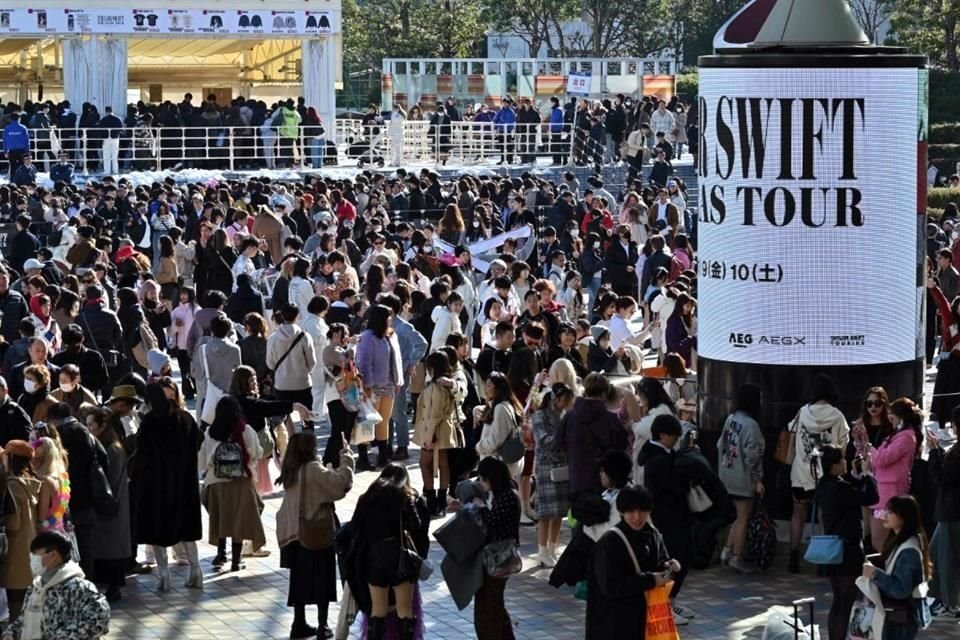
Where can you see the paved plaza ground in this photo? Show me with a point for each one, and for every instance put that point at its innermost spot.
(251, 604)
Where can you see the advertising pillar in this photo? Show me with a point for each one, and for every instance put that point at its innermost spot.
(811, 222)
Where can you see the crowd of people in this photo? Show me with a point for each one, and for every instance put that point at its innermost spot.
(535, 339)
(250, 134)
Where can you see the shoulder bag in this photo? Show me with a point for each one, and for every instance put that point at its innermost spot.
(315, 533)
(104, 502)
(501, 559)
(784, 452)
(512, 450)
(212, 393)
(826, 549)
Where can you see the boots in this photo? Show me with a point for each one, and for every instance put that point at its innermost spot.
(363, 459)
(236, 562)
(407, 627)
(383, 453)
(431, 496)
(195, 581)
(376, 628)
(221, 558)
(160, 553)
(441, 505)
(794, 565)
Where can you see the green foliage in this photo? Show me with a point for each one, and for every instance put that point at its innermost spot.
(688, 84)
(945, 133)
(939, 198)
(931, 27)
(944, 96)
(380, 29)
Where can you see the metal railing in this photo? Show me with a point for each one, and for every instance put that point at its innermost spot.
(95, 150)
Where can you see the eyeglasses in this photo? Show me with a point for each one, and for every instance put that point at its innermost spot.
(874, 404)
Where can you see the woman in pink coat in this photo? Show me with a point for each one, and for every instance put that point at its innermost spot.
(893, 460)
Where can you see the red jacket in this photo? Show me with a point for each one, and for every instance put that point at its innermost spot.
(950, 330)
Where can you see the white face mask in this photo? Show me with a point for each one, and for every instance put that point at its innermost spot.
(29, 385)
(476, 224)
(574, 233)
(36, 565)
(428, 248)
(246, 200)
(68, 387)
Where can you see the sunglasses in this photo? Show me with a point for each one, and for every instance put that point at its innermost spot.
(874, 403)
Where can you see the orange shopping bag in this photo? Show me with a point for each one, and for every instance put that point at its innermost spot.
(660, 625)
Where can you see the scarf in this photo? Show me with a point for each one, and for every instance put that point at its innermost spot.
(33, 608)
(37, 310)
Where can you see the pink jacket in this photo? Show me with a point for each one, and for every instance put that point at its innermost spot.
(892, 462)
(181, 321)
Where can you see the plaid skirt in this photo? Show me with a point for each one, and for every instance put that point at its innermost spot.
(553, 498)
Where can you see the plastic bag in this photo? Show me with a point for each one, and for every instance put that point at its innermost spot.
(367, 420)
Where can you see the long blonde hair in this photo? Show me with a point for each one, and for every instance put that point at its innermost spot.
(562, 371)
(48, 459)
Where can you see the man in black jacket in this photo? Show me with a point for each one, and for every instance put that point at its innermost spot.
(91, 363)
(23, 244)
(496, 357)
(669, 490)
(37, 353)
(656, 260)
(15, 424)
(82, 449)
(102, 331)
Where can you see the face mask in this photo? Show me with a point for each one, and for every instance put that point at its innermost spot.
(36, 565)
(428, 248)
(29, 385)
(476, 224)
(246, 199)
(68, 387)
(574, 233)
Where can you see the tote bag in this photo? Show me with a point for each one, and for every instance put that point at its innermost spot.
(212, 393)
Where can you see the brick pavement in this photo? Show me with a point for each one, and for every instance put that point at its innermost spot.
(251, 604)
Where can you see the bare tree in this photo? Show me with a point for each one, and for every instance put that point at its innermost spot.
(870, 15)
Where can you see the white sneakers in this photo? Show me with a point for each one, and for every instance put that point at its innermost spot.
(682, 615)
(547, 556)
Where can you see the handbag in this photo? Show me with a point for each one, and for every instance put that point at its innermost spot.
(513, 449)
(697, 499)
(560, 474)
(212, 393)
(501, 559)
(462, 535)
(784, 452)
(104, 502)
(410, 563)
(826, 549)
(265, 438)
(315, 533)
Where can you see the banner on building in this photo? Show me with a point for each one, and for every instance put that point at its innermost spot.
(167, 22)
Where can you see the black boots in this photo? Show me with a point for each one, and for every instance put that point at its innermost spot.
(436, 501)
(407, 628)
(384, 454)
(376, 628)
(236, 550)
(794, 565)
(363, 459)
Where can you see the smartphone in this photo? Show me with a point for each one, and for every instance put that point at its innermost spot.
(858, 464)
(876, 559)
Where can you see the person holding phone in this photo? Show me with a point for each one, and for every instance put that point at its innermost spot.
(841, 496)
(618, 577)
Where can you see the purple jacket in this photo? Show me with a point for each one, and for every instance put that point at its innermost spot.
(678, 340)
(376, 362)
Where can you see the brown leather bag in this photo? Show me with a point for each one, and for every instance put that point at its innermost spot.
(317, 532)
(784, 452)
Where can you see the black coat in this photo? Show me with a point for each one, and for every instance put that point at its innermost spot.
(15, 424)
(219, 274)
(163, 476)
(81, 446)
(491, 359)
(23, 246)
(90, 362)
(243, 301)
(573, 355)
(616, 595)
(101, 328)
(624, 282)
(840, 501)
(13, 306)
(945, 473)
(669, 490)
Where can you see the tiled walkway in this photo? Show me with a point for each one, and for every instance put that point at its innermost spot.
(251, 604)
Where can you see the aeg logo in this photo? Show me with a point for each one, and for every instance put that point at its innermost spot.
(743, 340)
